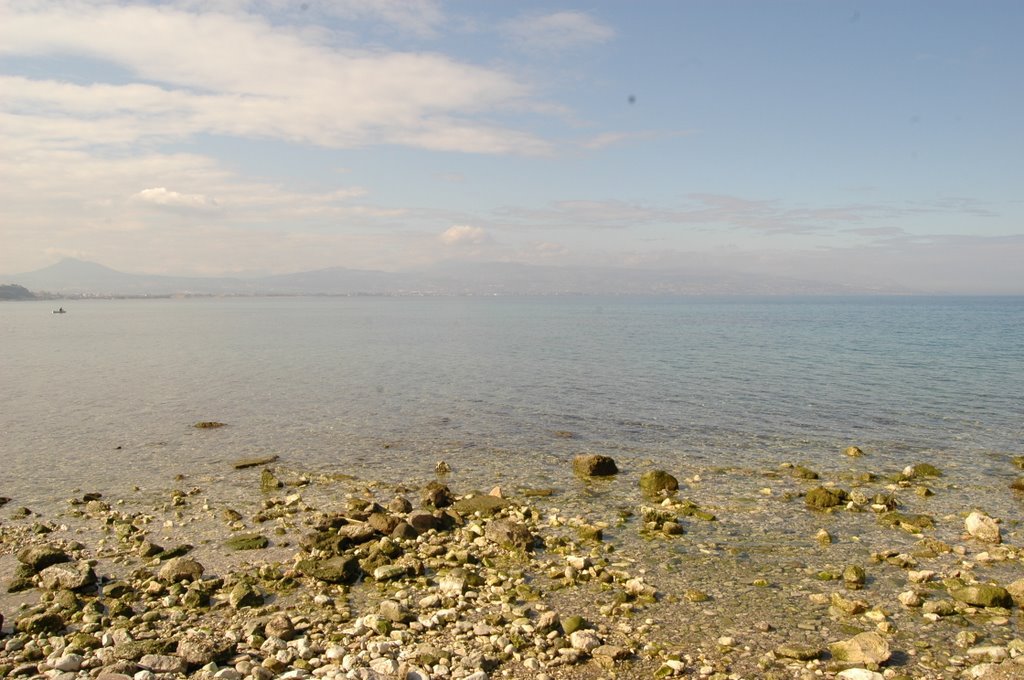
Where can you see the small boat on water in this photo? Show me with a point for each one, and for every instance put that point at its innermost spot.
(60, 311)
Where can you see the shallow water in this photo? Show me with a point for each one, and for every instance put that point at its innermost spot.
(104, 397)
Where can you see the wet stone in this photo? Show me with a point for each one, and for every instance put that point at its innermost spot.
(594, 465)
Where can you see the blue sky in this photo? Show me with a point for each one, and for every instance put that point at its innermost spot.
(852, 142)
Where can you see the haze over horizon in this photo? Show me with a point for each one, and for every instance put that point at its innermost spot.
(864, 144)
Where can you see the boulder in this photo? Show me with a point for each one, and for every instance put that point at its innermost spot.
(66, 576)
(180, 569)
(39, 557)
(865, 648)
(982, 527)
(653, 482)
(199, 647)
(245, 595)
(509, 534)
(594, 465)
(48, 622)
(853, 451)
(339, 569)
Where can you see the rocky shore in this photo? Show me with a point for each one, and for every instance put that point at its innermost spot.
(724, 573)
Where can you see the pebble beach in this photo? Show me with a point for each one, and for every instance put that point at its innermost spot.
(617, 570)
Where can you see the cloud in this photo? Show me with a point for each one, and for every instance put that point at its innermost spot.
(464, 234)
(162, 197)
(238, 74)
(556, 32)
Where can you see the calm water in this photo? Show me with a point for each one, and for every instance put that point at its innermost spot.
(104, 397)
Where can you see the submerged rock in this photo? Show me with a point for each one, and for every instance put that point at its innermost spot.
(485, 505)
(247, 542)
(208, 425)
(268, 482)
(509, 534)
(982, 595)
(853, 451)
(594, 465)
(243, 463)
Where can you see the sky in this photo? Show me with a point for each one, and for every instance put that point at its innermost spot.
(850, 142)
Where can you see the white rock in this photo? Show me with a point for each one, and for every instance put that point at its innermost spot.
(988, 653)
(910, 598)
(982, 527)
(860, 674)
(69, 663)
(585, 640)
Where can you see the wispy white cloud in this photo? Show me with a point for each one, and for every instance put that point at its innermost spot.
(237, 74)
(161, 196)
(556, 32)
(464, 234)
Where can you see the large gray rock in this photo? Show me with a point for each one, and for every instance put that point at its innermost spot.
(66, 576)
(594, 465)
(199, 647)
(162, 663)
(181, 569)
(865, 648)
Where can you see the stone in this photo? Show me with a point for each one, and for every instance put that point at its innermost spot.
(594, 465)
(393, 611)
(585, 640)
(339, 569)
(269, 482)
(400, 505)
(653, 482)
(865, 648)
(859, 674)
(208, 425)
(245, 595)
(199, 647)
(180, 569)
(247, 542)
(509, 534)
(453, 583)
(38, 557)
(162, 663)
(853, 451)
(243, 463)
(67, 576)
(424, 521)
(982, 527)
(436, 495)
(69, 663)
(798, 652)
(1016, 591)
(279, 626)
(821, 498)
(801, 472)
(921, 470)
(485, 505)
(982, 595)
(48, 622)
(571, 624)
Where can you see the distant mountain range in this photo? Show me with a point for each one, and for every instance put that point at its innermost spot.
(79, 278)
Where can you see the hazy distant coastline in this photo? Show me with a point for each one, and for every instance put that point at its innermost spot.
(77, 278)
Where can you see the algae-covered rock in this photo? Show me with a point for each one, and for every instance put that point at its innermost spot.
(436, 495)
(245, 595)
(853, 451)
(39, 557)
(913, 524)
(208, 425)
(801, 472)
(982, 595)
(866, 648)
(653, 482)
(199, 647)
(571, 624)
(797, 651)
(921, 470)
(247, 542)
(269, 482)
(338, 569)
(594, 465)
(821, 498)
(48, 622)
(485, 505)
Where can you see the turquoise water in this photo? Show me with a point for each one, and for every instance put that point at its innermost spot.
(104, 397)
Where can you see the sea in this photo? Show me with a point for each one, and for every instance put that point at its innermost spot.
(506, 390)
